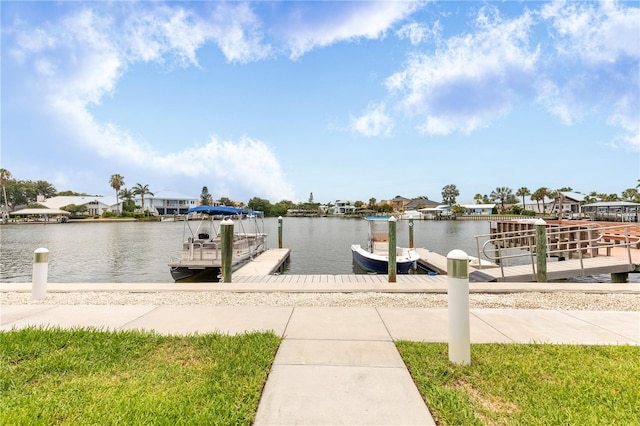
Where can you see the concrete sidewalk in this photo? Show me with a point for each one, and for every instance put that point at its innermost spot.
(339, 365)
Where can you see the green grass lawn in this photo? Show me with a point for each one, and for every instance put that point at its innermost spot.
(511, 384)
(82, 376)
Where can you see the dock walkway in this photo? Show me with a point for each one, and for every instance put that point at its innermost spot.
(561, 270)
(556, 270)
(265, 268)
(266, 263)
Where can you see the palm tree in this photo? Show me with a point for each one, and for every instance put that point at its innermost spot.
(538, 195)
(127, 195)
(523, 192)
(501, 193)
(629, 194)
(588, 199)
(116, 183)
(5, 175)
(555, 196)
(142, 190)
(478, 198)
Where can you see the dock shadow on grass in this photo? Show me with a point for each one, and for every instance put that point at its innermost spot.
(88, 376)
(528, 384)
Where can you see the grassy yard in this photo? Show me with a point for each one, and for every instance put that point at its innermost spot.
(528, 384)
(80, 376)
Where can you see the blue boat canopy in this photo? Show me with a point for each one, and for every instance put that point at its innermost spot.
(377, 218)
(222, 210)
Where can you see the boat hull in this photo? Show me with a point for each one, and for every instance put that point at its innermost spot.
(186, 274)
(380, 264)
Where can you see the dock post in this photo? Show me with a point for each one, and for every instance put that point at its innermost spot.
(541, 251)
(40, 274)
(392, 264)
(226, 231)
(458, 307)
(619, 277)
(410, 233)
(279, 232)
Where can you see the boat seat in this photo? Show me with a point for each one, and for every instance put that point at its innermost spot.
(380, 247)
(380, 236)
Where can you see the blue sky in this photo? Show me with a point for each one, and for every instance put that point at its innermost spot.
(345, 100)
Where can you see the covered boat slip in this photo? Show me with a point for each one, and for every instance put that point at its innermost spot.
(201, 255)
(44, 214)
(615, 211)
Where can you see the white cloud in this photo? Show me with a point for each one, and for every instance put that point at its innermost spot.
(247, 165)
(238, 33)
(419, 33)
(374, 122)
(343, 21)
(152, 33)
(596, 32)
(81, 59)
(472, 79)
(600, 45)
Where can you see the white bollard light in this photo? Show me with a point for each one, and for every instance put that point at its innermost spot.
(40, 273)
(458, 302)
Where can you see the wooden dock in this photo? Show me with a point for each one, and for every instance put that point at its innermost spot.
(556, 270)
(346, 282)
(561, 269)
(266, 267)
(267, 263)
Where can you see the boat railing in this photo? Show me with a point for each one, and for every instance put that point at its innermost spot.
(562, 241)
(211, 250)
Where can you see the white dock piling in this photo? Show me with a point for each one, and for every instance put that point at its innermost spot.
(458, 310)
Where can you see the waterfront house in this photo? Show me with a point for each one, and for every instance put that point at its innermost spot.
(96, 204)
(421, 203)
(478, 209)
(165, 203)
(342, 207)
(398, 204)
(571, 203)
(542, 206)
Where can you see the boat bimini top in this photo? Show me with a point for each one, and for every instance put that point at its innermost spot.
(222, 210)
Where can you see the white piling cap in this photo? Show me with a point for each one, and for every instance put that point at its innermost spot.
(457, 255)
(393, 219)
(540, 222)
(41, 255)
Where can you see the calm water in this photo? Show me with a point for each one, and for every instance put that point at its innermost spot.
(139, 251)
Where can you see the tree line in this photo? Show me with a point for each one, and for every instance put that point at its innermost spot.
(505, 196)
(25, 192)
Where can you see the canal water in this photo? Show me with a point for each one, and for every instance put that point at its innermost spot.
(140, 251)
